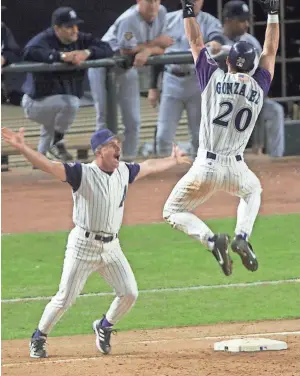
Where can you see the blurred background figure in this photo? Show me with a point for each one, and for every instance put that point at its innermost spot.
(139, 32)
(52, 98)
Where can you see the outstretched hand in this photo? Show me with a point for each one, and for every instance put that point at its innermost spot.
(15, 139)
(180, 156)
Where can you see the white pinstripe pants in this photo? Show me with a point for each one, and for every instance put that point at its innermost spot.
(206, 177)
(83, 257)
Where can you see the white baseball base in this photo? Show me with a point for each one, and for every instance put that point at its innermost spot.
(250, 345)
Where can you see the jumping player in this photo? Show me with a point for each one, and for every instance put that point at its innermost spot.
(231, 103)
(99, 191)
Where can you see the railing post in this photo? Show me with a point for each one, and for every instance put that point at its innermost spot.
(111, 103)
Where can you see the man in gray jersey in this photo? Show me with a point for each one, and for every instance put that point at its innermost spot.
(180, 89)
(99, 190)
(231, 103)
(139, 32)
(236, 17)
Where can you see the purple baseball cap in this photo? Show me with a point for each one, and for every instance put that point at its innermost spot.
(102, 137)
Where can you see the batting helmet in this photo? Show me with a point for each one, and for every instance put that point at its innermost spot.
(242, 56)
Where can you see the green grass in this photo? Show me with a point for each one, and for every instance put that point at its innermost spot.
(161, 310)
(160, 257)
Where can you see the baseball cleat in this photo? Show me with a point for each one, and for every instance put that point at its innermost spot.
(102, 336)
(221, 253)
(244, 249)
(37, 347)
(59, 152)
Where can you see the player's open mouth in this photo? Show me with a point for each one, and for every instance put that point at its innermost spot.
(117, 157)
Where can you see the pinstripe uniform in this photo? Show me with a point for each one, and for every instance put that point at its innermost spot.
(230, 106)
(271, 116)
(93, 244)
(179, 87)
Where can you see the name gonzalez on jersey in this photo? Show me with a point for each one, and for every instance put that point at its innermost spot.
(239, 88)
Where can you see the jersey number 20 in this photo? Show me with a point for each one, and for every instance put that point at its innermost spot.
(241, 121)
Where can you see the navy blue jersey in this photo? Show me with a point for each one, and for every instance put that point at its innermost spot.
(45, 47)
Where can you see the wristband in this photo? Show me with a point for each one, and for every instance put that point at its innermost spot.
(273, 18)
(188, 11)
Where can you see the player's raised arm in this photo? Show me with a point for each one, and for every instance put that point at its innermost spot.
(16, 139)
(268, 56)
(155, 166)
(192, 28)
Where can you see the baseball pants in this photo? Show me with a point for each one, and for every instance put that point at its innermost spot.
(54, 113)
(83, 257)
(178, 94)
(128, 96)
(206, 177)
(271, 119)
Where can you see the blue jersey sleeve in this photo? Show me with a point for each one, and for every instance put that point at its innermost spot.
(74, 174)
(263, 78)
(134, 169)
(205, 67)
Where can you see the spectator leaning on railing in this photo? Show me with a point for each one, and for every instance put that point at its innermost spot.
(139, 32)
(52, 98)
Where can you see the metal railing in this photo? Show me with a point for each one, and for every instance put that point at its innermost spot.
(110, 64)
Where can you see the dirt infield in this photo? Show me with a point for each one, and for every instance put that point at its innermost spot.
(32, 202)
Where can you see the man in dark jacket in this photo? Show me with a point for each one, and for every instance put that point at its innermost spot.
(52, 98)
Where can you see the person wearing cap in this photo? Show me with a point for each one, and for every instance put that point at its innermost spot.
(99, 190)
(180, 90)
(52, 98)
(236, 18)
(138, 33)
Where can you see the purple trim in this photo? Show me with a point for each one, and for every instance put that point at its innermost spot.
(205, 67)
(134, 169)
(263, 78)
(105, 323)
(73, 174)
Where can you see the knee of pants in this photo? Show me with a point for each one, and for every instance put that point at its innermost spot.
(256, 190)
(63, 299)
(71, 105)
(131, 296)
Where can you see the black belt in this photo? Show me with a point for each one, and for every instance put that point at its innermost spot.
(211, 155)
(104, 239)
(179, 74)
